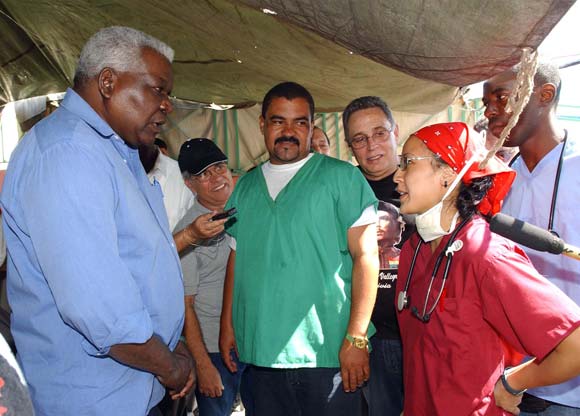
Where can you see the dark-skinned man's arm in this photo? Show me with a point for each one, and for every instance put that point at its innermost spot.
(173, 369)
(354, 362)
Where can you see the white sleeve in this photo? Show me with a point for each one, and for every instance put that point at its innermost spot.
(232, 243)
(368, 216)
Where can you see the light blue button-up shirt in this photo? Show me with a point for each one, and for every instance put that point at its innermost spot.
(91, 264)
(530, 199)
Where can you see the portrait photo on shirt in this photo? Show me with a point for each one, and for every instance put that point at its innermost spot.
(390, 227)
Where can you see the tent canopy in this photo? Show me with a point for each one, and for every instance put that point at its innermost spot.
(414, 53)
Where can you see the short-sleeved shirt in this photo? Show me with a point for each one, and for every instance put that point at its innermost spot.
(293, 271)
(91, 264)
(494, 306)
(530, 199)
(204, 271)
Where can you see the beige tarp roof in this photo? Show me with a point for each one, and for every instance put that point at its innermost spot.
(231, 52)
(237, 132)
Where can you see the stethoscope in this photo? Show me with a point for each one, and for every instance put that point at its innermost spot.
(556, 184)
(448, 251)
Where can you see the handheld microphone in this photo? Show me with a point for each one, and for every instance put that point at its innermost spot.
(531, 236)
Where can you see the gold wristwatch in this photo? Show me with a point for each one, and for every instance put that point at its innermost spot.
(361, 343)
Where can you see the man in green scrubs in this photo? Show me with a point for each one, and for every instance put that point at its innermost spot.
(301, 281)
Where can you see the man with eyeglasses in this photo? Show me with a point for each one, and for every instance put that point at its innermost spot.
(371, 133)
(205, 172)
(298, 303)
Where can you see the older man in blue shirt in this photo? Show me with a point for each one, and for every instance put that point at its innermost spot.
(94, 280)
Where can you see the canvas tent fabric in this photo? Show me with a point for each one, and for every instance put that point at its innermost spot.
(415, 53)
(449, 41)
(237, 131)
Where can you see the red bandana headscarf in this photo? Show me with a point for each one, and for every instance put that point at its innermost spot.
(456, 144)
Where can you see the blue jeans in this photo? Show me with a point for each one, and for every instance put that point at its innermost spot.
(222, 406)
(302, 392)
(384, 391)
(555, 410)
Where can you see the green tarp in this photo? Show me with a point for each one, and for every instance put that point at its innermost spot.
(413, 53)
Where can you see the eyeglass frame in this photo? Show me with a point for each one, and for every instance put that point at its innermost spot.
(364, 139)
(206, 175)
(403, 163)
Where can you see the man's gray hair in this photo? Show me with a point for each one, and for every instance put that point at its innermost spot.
(119, 48)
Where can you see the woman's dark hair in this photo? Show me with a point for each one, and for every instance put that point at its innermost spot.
(471, 195)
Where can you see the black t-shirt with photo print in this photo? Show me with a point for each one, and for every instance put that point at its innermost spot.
(384, 316)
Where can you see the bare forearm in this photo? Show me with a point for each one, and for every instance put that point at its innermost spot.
(228, 296)
(153, 356)
(365, 271)
(201, 228)
(560, 365)
(184, 238)
(364, 293)
(193, 334)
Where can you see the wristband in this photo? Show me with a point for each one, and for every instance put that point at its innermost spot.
(506, 385)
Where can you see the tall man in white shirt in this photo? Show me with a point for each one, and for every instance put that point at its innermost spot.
(161, 168)
(545, 193)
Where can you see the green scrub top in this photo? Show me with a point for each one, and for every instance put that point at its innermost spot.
(293, 271)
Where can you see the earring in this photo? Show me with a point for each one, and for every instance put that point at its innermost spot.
(445, 184)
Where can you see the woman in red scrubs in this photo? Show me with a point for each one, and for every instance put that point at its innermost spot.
(470, 303)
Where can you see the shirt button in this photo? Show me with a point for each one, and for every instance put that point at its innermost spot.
(125, 160)
(172, 244)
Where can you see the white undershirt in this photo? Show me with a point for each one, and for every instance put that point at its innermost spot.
(278, 176)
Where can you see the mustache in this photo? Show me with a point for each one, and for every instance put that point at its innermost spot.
(289, 139)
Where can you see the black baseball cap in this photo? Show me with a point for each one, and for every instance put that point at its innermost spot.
(196, 155)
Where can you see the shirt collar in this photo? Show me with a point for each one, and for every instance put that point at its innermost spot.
(77, 105)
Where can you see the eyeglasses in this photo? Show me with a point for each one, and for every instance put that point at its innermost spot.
(404, 161)
(360, 141)
(217, 169)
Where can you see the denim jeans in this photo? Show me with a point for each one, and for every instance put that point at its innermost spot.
(155, 412)
(302, 392)
(555, 410)
(222, 406)
(384, 391)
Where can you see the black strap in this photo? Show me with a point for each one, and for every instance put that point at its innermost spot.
(556, 181)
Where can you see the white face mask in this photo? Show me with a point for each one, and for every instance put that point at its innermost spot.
(429, 223)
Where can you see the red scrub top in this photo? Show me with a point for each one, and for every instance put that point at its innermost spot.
(495, 306)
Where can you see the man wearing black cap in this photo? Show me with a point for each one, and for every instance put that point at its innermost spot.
(205, 172)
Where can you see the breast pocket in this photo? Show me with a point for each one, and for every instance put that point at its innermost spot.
(454, 326)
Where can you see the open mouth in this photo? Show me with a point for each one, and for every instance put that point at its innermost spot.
(219, 187)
